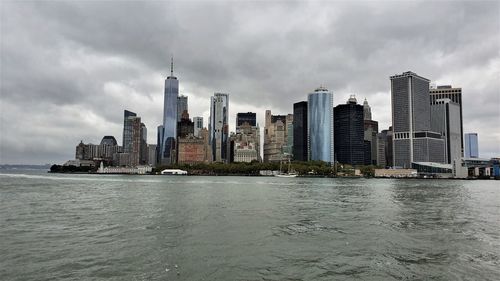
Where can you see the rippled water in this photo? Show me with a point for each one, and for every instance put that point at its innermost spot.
(91, 227)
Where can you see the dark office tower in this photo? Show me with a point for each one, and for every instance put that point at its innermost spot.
(159, 139)
(182, 104)
(185, 127)
(300, 131)
(128, 117)
(445, 119)
(167, 147)
(248, 117)
(455, 95)
(348, 133)
(144, 153)
(413, 139)
(389, 158)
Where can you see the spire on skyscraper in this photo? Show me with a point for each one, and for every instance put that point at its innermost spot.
(172, 66)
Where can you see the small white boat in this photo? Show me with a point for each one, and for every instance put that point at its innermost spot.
(174, 172)
(288, 175)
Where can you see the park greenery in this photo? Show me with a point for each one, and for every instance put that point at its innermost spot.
(310, 168)
(305, 169)
(71, 169)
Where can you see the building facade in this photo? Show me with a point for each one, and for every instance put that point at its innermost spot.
(185, 126)
(198, 125)
(384, 148)
(182, 104)
(471, 145)
(219, 127)
(455, 95)
(246, 141)
(320, 141)
(132, 137)
(169, 135)
(144, 152)
(276, 132)
(300, 131)
(348, 133)
(445, 119)
(413, 140)
(370, 132)
(248, 117)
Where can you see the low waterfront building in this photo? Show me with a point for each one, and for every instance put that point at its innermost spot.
(80, 163)
(431, 169)
(139, 170)
(396, 173)
(464, 168)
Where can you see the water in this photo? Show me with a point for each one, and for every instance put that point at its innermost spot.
(106, 227)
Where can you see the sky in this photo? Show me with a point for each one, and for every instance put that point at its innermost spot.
(69, 69)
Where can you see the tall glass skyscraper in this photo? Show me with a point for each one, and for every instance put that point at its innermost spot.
(471, 146)
(127, 130)
(219, 128)
(320, 125)
(169, 118)
(182, 104)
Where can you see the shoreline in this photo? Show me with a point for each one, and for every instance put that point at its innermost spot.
(250, 175)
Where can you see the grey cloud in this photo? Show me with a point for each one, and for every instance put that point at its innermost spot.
(103, 57)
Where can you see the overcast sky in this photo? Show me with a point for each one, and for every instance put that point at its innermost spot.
(69, 69)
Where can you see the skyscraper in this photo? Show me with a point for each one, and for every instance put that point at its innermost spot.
(198, 125)
(276, 130)
(445, 119)
(320, 125)
(412, 139)
(348, 133)
(159, 139)
(182, 104)
(367, 111)
(219, 127)
(185, 126)
(455, 95)
(370, 133)
(169, 118)
(384, 148)
(249, 117)
(471, 145)
(144, 153)
(246, 141)
(127, 130)
(132, 138)
(300, 131)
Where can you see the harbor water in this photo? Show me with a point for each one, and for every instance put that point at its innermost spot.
(119, 227)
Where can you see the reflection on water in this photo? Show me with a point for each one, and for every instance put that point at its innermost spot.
(70, 227)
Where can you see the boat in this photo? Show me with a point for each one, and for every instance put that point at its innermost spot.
(289, 174)
(174, 172)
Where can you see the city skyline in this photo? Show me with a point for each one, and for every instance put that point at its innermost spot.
(90, 79)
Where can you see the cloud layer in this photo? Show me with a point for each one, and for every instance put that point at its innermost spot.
(68, 70)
